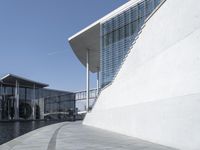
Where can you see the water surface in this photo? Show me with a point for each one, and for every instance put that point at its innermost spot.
(11, 130)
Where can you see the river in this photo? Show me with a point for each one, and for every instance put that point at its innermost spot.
(11, 130)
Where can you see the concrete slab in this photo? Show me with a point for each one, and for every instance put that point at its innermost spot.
(75, 136)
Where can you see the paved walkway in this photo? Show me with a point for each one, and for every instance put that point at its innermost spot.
(75, 136)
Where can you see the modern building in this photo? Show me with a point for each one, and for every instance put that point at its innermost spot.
(147, 59)
(21, 98)
(103, 46)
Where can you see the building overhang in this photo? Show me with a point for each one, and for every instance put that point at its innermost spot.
(11, 79)
(88, 39)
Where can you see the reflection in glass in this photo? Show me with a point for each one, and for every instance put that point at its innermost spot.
(118, 35)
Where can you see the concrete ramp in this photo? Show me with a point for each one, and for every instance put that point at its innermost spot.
(156, 94)
(75, 136)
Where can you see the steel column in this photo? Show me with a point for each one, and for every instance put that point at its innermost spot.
(17, 100)
(97, 81)
(1, 99)
(33, 103)
(87, 80)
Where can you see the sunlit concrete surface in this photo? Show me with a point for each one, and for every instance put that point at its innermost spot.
(155, 95)
(75, 136)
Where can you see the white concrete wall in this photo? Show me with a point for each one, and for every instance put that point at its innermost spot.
(156, 95)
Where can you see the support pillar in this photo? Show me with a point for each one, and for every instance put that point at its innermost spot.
(41, 104)
(1, 99)
(4, 99)
(33, 103)
(25, 100)
(87, 80)
(97, 80)
(16, 100)
(1, 90)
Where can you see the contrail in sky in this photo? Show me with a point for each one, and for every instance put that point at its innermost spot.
(56, 52)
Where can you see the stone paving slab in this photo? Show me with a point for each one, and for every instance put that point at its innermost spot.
(75, 136)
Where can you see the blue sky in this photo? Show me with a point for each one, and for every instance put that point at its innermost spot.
(33, 38)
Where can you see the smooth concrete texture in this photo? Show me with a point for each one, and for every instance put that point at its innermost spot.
(156, 94)
(75, 136)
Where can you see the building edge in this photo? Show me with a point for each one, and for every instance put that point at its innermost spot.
(156, 95)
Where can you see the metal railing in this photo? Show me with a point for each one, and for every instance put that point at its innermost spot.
(68, 105)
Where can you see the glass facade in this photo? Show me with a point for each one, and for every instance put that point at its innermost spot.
(66, 102)
(68, 105)
(7, 101)
(80, 98)
(118, 35)
(59, 103)
(26, 97)
(55, 104)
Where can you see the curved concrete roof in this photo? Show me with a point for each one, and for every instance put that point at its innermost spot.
(89, 38)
